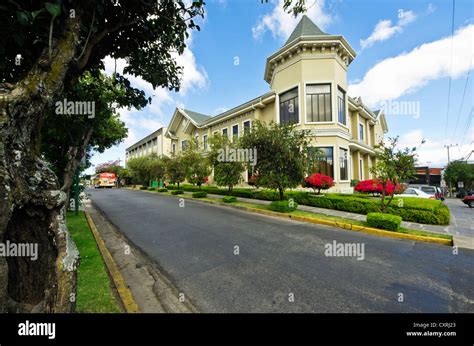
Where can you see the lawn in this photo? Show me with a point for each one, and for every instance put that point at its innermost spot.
(94, 289)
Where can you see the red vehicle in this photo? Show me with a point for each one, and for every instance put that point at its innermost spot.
(469, 200)
(106, 180)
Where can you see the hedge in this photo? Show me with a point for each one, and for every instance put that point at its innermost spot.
(199, 194)
(229, 199)
(283, 206)
(162, 189)
(151, 189)
(384, 221)
(177, 192)
(143, 187)
(418, 210)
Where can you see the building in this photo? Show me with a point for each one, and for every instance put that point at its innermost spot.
(155, 143)
(428, 176)
(308, 83)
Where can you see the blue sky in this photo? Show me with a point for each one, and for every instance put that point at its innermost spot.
(404, 55)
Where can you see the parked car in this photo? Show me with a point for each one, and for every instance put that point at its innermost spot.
(412, 192)
(434, 191)
(461, 193)
(469, 200)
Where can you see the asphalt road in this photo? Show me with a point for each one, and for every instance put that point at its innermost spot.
(280, 259)
(462, 217)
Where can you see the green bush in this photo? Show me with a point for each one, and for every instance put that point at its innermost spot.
(267, 195)
(162, 189)
(199, 194)
(384, 221)
(229, 199)
(151, 189)
(177, 192)
(143, 187)
(245, 193)
(283, 206)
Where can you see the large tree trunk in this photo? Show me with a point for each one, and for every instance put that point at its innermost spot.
(32, 205)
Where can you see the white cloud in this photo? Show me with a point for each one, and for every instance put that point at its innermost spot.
(432, 152)
(384, 28)
(281, 23)
(407, 72)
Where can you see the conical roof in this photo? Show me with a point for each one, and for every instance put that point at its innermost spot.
(305, 27)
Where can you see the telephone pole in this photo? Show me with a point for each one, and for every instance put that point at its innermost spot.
(449, 182)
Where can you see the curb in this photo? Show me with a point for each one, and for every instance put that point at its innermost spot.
(346, 226)
(124, 292)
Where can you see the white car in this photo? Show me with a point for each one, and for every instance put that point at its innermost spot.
(412, 192)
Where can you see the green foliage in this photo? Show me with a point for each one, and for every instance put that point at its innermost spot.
(229, 199)
(392, 166)
(196, 165)
(283, 206)
(384, 221)
(151, 189)
(175, 169)
(162, 189)
(460, 171)
(143, 187)
(199, 194)
(177, 192)
(282, 155)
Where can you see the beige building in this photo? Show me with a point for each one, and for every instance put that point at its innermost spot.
(308, 83)
(155, 143)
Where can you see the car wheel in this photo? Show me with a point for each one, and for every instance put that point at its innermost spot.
(470, 203)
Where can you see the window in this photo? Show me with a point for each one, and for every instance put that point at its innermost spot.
(247, 126)
(204, 142)
(341, 106)
(174, 148)
(224, 132)
(343, 166)
(325, 164)
(289, 112)
(184, 145)
(361, 132)
(318, 102)
(235, 131)
(361, 170)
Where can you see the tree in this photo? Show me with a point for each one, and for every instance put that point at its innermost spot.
(282, 153)
(67, 138)
(175, 169)
(196, 164)
(226, 172)
(460, 171)
(54, 44)
(393, 167)
(156, 167)
(319, 182)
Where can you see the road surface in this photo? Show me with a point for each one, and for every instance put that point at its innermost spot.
(281, 265)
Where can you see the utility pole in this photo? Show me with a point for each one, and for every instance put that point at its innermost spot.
(449, 183)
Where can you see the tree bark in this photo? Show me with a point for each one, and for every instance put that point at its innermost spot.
(32, 205)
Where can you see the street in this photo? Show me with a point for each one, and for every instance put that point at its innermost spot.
(225, 260)
(462, 217)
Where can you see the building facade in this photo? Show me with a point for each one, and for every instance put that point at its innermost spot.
(308, 86)
(155, 143)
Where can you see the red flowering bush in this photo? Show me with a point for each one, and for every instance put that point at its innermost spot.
(374, 187)
(198, 180)
(253, 180)
(318, 182)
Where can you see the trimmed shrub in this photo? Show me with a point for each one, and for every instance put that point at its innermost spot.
(245, 193)
(229, 199)
(283, 206)
(177, 192)
(384, 221)
(319, 182)
(162, 189)
(267, 195)
(143, 187)
(199, 194)
(151, 189)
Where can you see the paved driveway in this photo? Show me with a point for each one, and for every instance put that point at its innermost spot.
(462, 217)
(281, 259)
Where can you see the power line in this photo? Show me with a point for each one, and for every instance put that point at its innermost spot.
(450, 67)
(463, 95)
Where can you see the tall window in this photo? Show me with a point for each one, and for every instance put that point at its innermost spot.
(361, 132)
(235, 132)
(247, 126)
(343, 166)
(318, 102)
(204, 142)
(184, 145)
(174, 148)
(325, 165)
(224, 132)
(289, 111)
(341, 106)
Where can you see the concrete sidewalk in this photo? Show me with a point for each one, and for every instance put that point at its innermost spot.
(461, 240)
